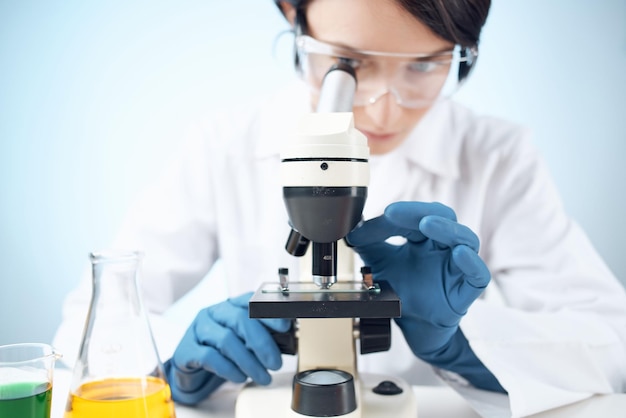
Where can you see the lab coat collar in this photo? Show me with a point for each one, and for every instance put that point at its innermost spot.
(434, 144)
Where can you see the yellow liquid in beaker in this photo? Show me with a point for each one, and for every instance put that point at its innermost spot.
(147, 397)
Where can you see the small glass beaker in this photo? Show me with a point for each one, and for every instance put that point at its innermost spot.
(26, 380)
(118, 372)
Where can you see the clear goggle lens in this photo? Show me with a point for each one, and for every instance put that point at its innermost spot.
(414, 80)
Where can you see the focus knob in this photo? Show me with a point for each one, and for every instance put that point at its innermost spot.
(375, 335)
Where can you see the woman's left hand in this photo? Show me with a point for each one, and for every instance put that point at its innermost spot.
(437, 272)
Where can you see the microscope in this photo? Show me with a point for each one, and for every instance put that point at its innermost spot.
(325, 174)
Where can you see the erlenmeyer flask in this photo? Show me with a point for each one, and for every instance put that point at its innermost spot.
(118, 372)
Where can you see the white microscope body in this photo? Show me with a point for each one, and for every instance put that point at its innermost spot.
(325, 173)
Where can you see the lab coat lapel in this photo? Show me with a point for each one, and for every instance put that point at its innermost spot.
(435, 143)
(412, 171)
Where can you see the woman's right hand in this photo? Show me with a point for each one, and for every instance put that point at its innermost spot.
(223, 343)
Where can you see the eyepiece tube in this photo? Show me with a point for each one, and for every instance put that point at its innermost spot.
(338, 89)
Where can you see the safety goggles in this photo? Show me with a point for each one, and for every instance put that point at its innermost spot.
(414, 80)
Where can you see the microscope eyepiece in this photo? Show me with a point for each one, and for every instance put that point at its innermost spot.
(338, 87)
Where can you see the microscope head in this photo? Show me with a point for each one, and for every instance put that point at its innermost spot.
(325, 173)
(324, 168)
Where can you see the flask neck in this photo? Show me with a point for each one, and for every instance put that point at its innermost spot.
(115, 280)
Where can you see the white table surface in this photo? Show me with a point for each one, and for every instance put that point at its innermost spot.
(432, 401)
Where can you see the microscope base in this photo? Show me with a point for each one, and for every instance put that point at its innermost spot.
(275, 400)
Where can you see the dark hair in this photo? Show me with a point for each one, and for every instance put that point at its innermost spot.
(457, 21)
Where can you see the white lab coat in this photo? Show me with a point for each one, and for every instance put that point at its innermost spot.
(556, 334)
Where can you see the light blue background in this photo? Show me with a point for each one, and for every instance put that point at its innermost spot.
(94, 96)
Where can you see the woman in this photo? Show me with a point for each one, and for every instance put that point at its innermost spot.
(556, 334)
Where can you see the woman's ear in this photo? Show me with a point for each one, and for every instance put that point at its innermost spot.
(289, 11)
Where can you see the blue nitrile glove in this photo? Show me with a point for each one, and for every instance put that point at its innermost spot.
(437, 274)
(221, 344)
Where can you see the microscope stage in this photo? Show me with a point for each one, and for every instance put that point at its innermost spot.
(300, 301)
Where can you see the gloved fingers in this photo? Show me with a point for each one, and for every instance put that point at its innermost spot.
(373, 231)
(250, 332)
(190, 387)
(223, 345)
(399, 219)
(448, 233)
(409, 214)
(475, 278)
(187, 357)
(376, 254)
(474, 268)
(213, 361)
(277, 324)
(192, 356)
(241, 301)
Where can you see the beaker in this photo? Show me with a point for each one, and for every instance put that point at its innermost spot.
(118, 372)
(26, 380)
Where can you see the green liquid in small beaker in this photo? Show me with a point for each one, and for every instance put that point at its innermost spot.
(25, 400)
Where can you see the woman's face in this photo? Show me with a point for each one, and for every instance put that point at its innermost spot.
(382, 26)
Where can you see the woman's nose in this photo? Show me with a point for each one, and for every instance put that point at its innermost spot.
(383, 110)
